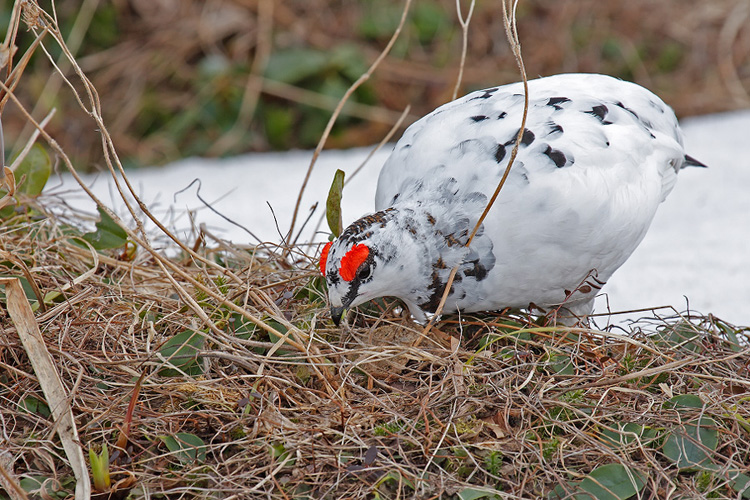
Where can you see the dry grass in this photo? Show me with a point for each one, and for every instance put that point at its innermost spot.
(496, 403)
(234, 347)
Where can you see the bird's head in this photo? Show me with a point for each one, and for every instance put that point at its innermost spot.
(349, 269)
(369, 260)
(405, 252)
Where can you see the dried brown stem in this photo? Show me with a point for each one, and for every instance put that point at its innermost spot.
(363, 78)
(511, 33)
(464, 43)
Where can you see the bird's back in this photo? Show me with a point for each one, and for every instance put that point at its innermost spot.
(596, 158)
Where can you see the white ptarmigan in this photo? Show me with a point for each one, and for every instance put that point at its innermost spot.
(596, 158)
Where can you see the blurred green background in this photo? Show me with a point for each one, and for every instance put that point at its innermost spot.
(180, 78)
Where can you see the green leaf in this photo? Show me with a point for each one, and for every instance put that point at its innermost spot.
(107, 235)
(313, 291)
(28, 290)
(560, 491)
(684, 401)
(690, 446)
(560, 364)
(32, 483)
(740, 483)
(37, 167)
(683, 336)
(734, 413)
(34, 405)
(333, 204)
(396, 477)
(181, 352)
(241, 327)
(42, 487)
(100, 468)
(187, 448)
(731, 334)
(474, 494)
(613, 482)
(278, 327)
(281, 454)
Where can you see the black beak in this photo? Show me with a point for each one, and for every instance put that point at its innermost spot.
(336, 313)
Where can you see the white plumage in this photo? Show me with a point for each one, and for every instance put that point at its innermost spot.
(597, 157)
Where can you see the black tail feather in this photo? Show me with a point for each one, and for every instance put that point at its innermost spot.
(692, 162)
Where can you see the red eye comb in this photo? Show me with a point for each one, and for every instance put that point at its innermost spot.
(324, 257)
(352, 260)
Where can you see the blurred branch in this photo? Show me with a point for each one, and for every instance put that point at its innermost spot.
(735, 21)
(254, 84)
(322, 101)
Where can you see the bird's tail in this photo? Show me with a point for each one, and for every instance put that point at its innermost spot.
(692, 162)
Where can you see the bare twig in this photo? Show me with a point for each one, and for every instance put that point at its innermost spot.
(363, 78)
(511, 32)
(362, 165)
(29, 143)
(464, 42)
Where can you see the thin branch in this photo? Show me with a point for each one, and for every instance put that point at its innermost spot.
(337, 111)
(32, 140)
(362, 165)
(464, 42)
(73, 43)
(511, 33)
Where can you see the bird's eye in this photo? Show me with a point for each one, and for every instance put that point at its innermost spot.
(364, 273)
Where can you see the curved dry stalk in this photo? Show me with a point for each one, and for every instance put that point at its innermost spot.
(14, 76)
(300, 338)
(8, 46)
(362, 165)
(464, 43)
(112, 159)
(363, 78)
(73, 44)
(34, 135)
(511, 34)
